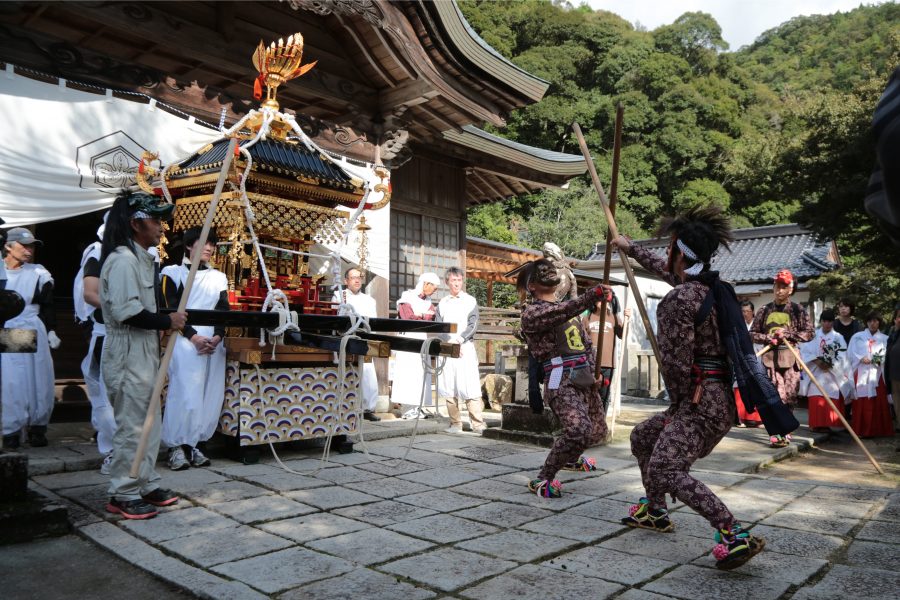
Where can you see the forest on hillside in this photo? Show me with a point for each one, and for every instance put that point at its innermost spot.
(776, 132)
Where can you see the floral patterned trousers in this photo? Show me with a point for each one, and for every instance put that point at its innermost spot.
(666, 445)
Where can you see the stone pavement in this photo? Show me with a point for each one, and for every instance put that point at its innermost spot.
(454, 520)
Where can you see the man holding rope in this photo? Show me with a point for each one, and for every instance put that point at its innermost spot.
(698, 320)
(128, 293)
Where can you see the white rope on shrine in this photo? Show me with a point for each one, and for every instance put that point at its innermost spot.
(276, 300)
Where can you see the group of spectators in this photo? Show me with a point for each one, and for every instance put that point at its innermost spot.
(853, 364)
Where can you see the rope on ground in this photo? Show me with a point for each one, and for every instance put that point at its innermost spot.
(429, 373)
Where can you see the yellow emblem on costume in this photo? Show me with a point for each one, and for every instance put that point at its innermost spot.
(777, 320)
(573, 338)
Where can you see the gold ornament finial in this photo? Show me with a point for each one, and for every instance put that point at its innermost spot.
(276, 64)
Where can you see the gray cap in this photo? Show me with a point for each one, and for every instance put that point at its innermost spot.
(21, 235)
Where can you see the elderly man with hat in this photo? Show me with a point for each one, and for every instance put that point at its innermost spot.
(128, 298)
(774, 323)
(28, 395)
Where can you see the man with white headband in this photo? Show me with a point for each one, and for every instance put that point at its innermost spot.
(86, 297)
(409, 373)
(701, 336)
(128, 298)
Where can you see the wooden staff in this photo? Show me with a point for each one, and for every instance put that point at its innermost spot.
(607, 259)
(831, 404)
(150, 419)
(614, 232)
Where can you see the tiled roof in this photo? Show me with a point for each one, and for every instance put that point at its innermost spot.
(275, 157)
(759, 252)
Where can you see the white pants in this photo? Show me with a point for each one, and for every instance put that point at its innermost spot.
(102, 417)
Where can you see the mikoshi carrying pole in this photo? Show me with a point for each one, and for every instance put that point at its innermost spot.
(833, 407)
(614, 231)
(182, 304)
(607, 259)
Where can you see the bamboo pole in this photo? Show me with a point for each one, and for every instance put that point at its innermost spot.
(607, 259)
(614, 231)
(150, 419)
(831, 404)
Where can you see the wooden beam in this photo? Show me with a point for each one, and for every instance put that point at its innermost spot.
(488, 184)
(411, 93)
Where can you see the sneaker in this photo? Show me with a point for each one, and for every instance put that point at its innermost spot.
(411, 413)
(106, 465)
(131, 509)
(735, 547)
(160, 497)
(478, 430)
(368, 415)
(37, 436)
(177, 461)
(198, 459)
(778, 441)
(545, 489)
(640, 516)
(583, 463)
(454, 429)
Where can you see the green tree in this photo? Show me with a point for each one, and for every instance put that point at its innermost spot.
(701, 192)
(694, 36)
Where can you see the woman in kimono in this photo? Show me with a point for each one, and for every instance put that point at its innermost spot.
(871, 412)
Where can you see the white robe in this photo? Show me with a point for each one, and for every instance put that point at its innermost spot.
(365, 306)
(406, 386)
(865, 345)
(460, 378)
(27, 379)
(196, 382)
(102, 416)
(834, 380)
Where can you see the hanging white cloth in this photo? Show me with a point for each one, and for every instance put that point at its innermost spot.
(866, 345)
(460, 378)
(834, 380)
(27, 379)
(196, 382)
(365, 306)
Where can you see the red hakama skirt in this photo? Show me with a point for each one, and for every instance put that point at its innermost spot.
(872, 415)
(821, 415)
(751, 419)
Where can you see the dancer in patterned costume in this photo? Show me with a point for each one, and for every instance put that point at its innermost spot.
(557, 339)
(697, 374)
(776, 321)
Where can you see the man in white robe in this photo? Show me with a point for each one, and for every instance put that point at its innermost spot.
(197, 369)
(28, 380)
(460, 380)
(365, 306)
(86, 298)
